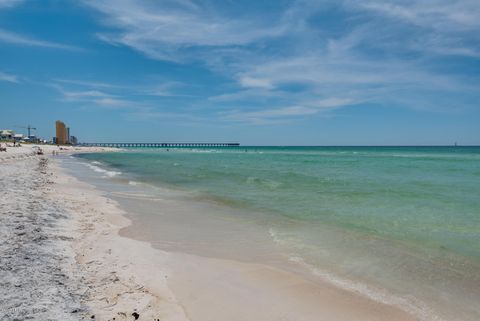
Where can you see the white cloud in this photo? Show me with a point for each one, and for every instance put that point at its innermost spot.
(431, 26)
(274, 115)
(79, 95)
(334, 102)
(246, 81)
(179, 31)
(17, 39)
(9, 77)
(326, 74)
(380, 54)
(163, 30)
(113, 102)
(9, 3)
(164, 89)
(446, 15)
(87, 83)
(89, 88)
(90, 97)
(97, 94)
(251, 93)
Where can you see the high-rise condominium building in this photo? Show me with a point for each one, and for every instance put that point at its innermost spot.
(61, 132)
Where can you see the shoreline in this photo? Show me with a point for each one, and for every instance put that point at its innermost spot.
(67, 259)
(110, 261)
(123, 276)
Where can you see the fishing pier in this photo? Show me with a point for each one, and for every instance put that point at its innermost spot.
(157, 145)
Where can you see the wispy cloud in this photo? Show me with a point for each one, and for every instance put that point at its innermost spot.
(168, 29)
(155, 88)
(9, 77)
(172, 30)
(9, 3)
(246, 81)
(22, 40)
(131, 99)
(87, 83)
(80, 95)
(439, 27)
(268, 116)
(371, 51)
(277, 115)
(164, 89)
(94, 98)
(446, 15)
(115, 102)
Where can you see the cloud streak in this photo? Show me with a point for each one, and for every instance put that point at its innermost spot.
(168, 29)
(279, 114)
(9, 3)
(22, 40)
(445, 15)
(124, 98)
(94, 98)
(9, 77)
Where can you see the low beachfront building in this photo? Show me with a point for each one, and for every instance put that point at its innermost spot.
(18, 137)
(6, 134)
(31, 139)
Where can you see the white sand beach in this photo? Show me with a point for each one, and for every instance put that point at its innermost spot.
(62, 258)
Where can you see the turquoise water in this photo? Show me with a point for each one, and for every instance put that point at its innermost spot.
(424, 195)
(405, 220)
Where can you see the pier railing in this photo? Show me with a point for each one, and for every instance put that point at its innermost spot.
(153, 145)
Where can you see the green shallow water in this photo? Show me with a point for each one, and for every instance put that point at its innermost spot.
(426, 196)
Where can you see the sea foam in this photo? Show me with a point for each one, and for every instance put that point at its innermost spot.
(106, 173)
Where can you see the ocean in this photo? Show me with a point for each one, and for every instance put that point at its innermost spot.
(398, 224)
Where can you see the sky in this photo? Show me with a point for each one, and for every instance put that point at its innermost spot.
(307, 72)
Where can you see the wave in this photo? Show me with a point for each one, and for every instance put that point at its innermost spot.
(270, 183)
(107, 173)
(411, 305)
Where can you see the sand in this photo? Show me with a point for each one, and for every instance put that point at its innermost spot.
(25, 151)
(62, 258)
(35, 248)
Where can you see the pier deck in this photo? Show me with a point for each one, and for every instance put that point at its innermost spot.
(153, 145)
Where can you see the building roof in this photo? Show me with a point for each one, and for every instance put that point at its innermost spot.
(6, 132)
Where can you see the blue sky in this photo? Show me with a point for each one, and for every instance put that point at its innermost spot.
(311, 72)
